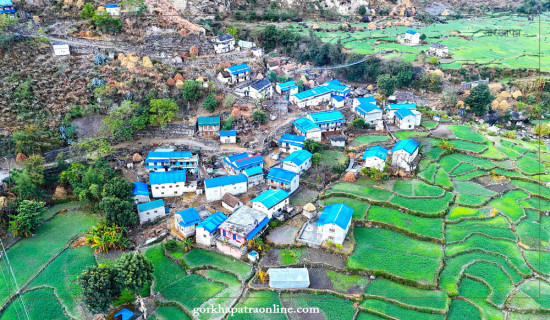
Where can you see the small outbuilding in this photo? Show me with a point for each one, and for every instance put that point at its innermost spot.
(61, 49)
(150, 211)
(228, 136)
(288, 278)
(206, 230)
(140, 192)
(186, 220)
(231, 202)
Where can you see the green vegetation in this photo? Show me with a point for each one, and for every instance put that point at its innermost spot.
(409, 134)
(200, 258)
(290, 256)
(419, 226)
(342, 282)
(466, 133)
(429, 124)
(427, 206)
(368, 139)
(385, 308)
(508, 204)
(497, 227)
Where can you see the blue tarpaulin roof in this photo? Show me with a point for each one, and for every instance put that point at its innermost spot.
(239, 68)
(339, 214)
(167, 177)
(228, 133)
(224, 181)
(292, 139)
(281, 175)
(213, 221)
(140, 189)
(298, 157)
(111, 5)
(338, 98)
(402, 113)
(409, 145)
(150, 205)
(189, 217)
(411, 31)
(125, 313)
(259, 227)
(305, 125)
(327, 117)
(366, 107)
(160, 156)
(271, 197)
(377, 151)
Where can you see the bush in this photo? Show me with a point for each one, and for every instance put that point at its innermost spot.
(210, 103)
(359, 123)
(259, 116)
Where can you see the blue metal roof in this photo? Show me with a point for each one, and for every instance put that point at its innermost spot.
(111, 5)
(298, 157)
(140, 189)
(6, 3)
(411, 31)
(337, 86)
(126, 314)
(366, 107)
(409, 145)
(208, 121)
(327, 117)
(224, 181)
(397, 106)
(285, 86)
(271, 197)
(312, 92)
(228, 133)
(292, 139)
(402, 113)
(376, 151)
(150, 205)
(253, 171)
(189, 217)
(238, 69)
(241, 161)
(167, 177)
(159, 156)
(370, 99)
(305, 125)
(259, 227)
(338, 98)
(339, 214)
(213, 221)
(281, 175)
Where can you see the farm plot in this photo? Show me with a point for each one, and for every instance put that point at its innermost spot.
(462, 309)
(401, 135)
(368, 139)
(170, 312)
(473, 288)
(429, 172)
(470, 200)
(497, 227)
(531, 289)
(442, 179)
(369, 192)
(462, 169)
(458, 213)
(424, 206)
(415, 188)
(468, 187)
(495, 277)
(531, 232)
(192, 291)
(429, 124)
(331, 158)
(409, 224)
(530, 166)
(533, 188)
(385, 308)
(198, 258)
(330, 307)
(470, 175)
(468, 146)
(466, 133)
(386, 252)
(36, 308)
(259, 299)
(508, 204)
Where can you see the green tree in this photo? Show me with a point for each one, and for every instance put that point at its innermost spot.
(28, 216)
(191, 90)
(133, 271)
(359, 123)
(362, 10)
(403, 78)
(423, 37)
(434, 61)
(162, 111)
(116, 123)
(98, 282)
(259, 116)
(210, 103)
(88, 11)
(229, 101)
(316, 158)
(386, 84)
(118, 204)
(233, 31)
(479, 99)
(228, 123)
(23, 185)
(104, 236)
(313, 146)
(34, 165)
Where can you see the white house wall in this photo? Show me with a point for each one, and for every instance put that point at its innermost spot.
(216, 193)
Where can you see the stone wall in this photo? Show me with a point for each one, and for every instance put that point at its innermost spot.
(172, 130)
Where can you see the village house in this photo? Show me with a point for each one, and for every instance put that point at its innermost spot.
(228, 136)
(334, 223)
(6, 7)
(61, 49)
(298, 161)
(328, 121)
(170, 183)
(273, 64)
(337, 88)
(140, 192)
(375, 157)
(162, 160)
(360, 100)
(258, 89)
(438, 50)
(368, 111)
(278, 178)
(257, 52)
(127, 314)
(208, 126)
(307, 128)
(215, 188)
(237, 163)
(337, 101)
(231, 202)
(150, 211)
(404, 119)
(243, 225)
(290, 142)
(289, 69)
(224, 43)
(287, 88)
(403, 154)
(337, 140)
(392, 108)
(255, 175)
(271, 202)
(411, 38)
(113, 9)
(207, 230)
(238, 73)
(246, 44)
(186, 220)
(312, 97)
(288, 278)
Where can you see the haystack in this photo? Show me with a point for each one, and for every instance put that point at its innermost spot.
(178, 77)
(349, 177)
(21, 157)
(516, 94)
(194, 51)
(60, 193)
(309, 207)
(137, 157)
(147, 63)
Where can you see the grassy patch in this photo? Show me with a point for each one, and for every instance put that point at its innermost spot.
(199, 258)
(530, 166)
(36, 308)
(430, 124)
(469, 187)
(290, 256)
(421, 226)
(331, 307)
(171, 312)
(165, 270)
(442, 179)
(428, 206)
(468, 146)
(508, 204)
(463, 168)
(368, 192)
(497, 227)
(462, 212)
(470, 200)
(263, 299)
(464, 132)
(461, 309)
(472, 288)
(429, 172)
(386, 308)
(361, 140)
(499, 282)
(342, 282)
(409, 134)
(190, 289)
(470, 175)
(332, 158)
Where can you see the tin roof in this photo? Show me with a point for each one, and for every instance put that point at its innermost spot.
(253, 171)
(281, 175)
(292, 139)
(402, 113)
(339, 214)
(213, 221)
(367, 107)
(409, 145)
(167, 177)
(312, 92)
(271, 197)
(228, 133)
(224, 181)
(150, 205)
(305, 125)
(243, 160)
(326, 116)
(208, 121)
(189, 217)
(298, 157)
(376, 151)
(285, 86)
(239, 68)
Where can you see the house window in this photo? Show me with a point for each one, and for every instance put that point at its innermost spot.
(331, 230)
(156, 188)
(170, 186)
(162, 193)
(331, 238)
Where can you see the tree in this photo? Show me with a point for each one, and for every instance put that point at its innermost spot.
(259, 116)
(386, 84)
(105, 236)
(116, 123)
(88, 11)
(34, 166)
(118, 203)
(479, 98)
(228, 123)
(313, 146)
(233, 31)
(362, 10)
(133, 271)
(316, 158)
(423, 37)
(99, 282)
(163, 110)
(28, 216)
(191, 90)
(23, 186)
(210, 103)
(434, 61)
(449, 97)
(359, 123)
(403, 78)
(229, 101)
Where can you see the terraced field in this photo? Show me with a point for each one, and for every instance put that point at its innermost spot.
(468, 224)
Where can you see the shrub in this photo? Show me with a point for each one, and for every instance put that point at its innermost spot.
(259, 116)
